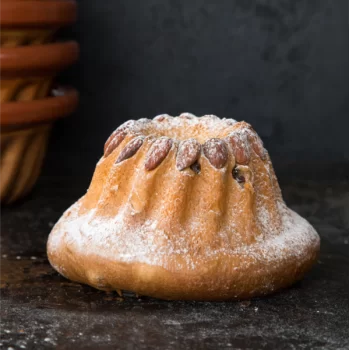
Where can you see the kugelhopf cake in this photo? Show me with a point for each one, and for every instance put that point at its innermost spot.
(184, 208)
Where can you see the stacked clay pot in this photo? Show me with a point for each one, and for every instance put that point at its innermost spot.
(30, 59)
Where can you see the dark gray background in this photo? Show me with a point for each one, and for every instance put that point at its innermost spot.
(280, 65)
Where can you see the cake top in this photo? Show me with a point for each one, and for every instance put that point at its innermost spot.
(210, 135)
(180, 128)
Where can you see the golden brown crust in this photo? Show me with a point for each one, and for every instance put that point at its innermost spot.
(210, 281)
(152, 224)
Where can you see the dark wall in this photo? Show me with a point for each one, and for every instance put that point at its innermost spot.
(280, 65)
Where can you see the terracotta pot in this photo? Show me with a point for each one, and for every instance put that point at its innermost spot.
(27, 72)
(25, 129)
(33, 22)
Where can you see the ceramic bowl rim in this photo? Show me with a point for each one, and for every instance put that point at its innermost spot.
(35, 60)
(62, 102)
(15, 14)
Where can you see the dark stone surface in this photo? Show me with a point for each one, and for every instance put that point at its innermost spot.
(41, 310)
(281, 65)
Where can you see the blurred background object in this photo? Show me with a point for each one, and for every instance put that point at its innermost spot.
(25, 129)
(30, 61)
(27, 22)
(27, 72)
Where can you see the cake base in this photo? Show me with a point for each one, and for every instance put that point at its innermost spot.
(105, 254)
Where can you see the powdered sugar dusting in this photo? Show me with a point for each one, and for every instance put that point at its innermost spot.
(187, 115)
(116, 240)
(185, 126)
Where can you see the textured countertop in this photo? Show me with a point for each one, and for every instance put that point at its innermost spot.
(41, 310)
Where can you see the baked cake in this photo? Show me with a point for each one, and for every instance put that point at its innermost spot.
(184, 208)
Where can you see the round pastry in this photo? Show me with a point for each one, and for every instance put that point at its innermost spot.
(184, 208)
